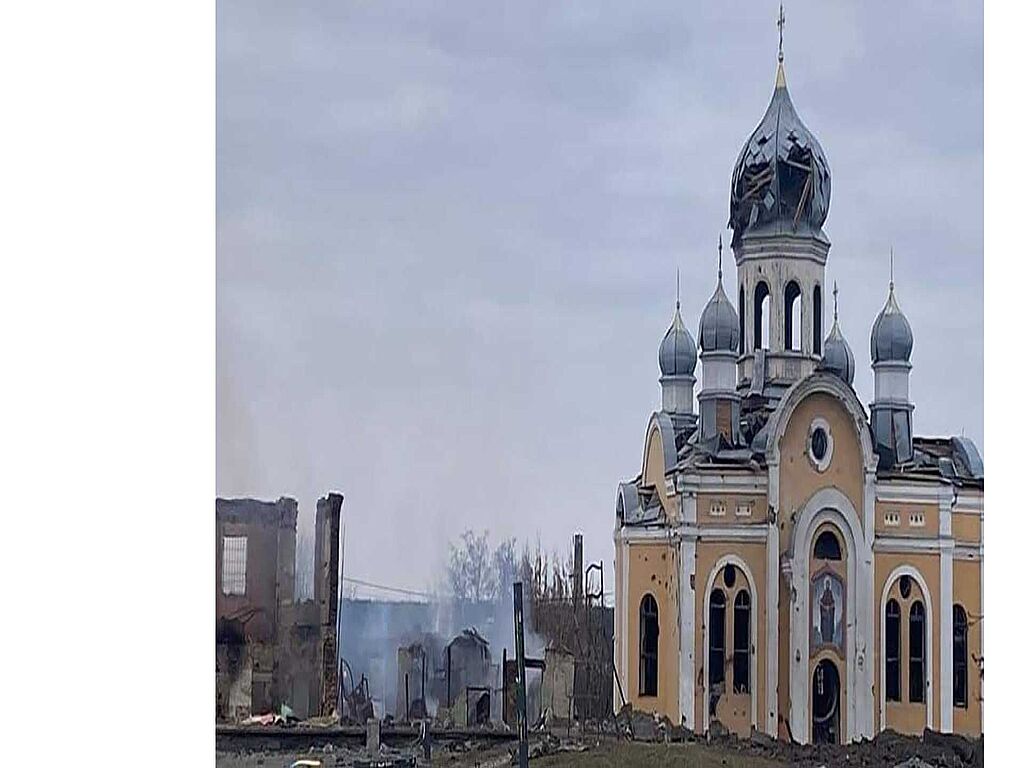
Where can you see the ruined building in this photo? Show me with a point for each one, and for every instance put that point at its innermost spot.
(788, 559)
(271, 649)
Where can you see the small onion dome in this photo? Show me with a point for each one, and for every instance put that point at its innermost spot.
(836, 356)
(719, 323)
(891, 337)
(678, 354)
(781, 181)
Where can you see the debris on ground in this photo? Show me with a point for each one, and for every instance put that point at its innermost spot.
(544, 744)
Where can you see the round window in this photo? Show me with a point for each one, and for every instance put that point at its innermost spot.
(729, 575)
(819, 444)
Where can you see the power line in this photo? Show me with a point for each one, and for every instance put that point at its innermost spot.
(385, 587)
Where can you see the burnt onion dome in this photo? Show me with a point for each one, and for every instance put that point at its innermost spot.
(891, 337)
(781, 181)
(719, 323)
(677, 355)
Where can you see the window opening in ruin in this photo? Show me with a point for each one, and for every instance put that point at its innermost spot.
(743, 322)
(959, 656)
(648, 646)
(716, 638)
(917, 652)
(233, 559)
(817, 319)
(826, 547)
(892, 651)
(741, 643)
(794, 316)
(762, 313)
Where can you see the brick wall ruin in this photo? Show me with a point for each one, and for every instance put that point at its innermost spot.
(272, 650)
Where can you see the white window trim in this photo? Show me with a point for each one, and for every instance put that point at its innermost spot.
(822, 465)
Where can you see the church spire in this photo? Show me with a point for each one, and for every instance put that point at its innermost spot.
(780, 75)
(781, 23)
(719, 257)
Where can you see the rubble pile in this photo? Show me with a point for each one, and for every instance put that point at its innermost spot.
(931, 750)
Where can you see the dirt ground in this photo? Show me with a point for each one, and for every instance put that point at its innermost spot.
(885, 751)
(604, 755)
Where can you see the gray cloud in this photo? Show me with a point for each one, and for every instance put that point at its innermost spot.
(448, 234)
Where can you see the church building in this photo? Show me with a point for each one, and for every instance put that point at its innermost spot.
(789, 559)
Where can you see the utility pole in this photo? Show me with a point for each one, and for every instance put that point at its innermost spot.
(524, 747)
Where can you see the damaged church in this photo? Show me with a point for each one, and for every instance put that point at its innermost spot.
(787, 559)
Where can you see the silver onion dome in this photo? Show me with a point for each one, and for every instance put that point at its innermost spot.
(719, 323)
(891, 337)
(677, 355)
(836, 355)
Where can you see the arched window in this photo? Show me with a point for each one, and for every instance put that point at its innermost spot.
(648, 646)
(716, 638)
(892, 651)
(917, 652)
(794, 316)
(762, 315)
(959, 656)
(741, 643)
(743, 323)
(826, 547)
(817, 320)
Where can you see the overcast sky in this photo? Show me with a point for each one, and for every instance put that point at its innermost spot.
(447, 236)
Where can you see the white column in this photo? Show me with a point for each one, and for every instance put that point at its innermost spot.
(687, 605)
(771, 664)
(866, 617)
(687, 610)
(945, 618)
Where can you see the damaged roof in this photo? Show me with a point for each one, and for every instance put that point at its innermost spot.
(950, 459)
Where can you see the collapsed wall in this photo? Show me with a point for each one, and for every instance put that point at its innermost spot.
(271, 650)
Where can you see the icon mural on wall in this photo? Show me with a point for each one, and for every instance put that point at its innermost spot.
(827, 620)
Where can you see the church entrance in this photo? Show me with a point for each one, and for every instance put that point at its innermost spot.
(825, 703)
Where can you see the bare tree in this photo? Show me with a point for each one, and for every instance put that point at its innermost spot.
(471, 574)
(506, 569)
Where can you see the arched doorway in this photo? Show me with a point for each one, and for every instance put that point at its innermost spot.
(825, 698)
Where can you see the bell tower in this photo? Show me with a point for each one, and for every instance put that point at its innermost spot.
(781, 186)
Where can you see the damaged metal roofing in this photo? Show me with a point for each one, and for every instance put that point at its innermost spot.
(781, 181)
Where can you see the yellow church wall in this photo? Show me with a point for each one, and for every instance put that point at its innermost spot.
(733, 710)
(654, 569)
(967, 527)
(654, 472)
(904, 716)
(731, 509)
(967, 592)
(799, 479)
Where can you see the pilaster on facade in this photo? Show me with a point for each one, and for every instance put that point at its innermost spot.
(772, 602)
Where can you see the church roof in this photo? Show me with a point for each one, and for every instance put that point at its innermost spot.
(892, 340)
(781, 182)
(677, 355)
